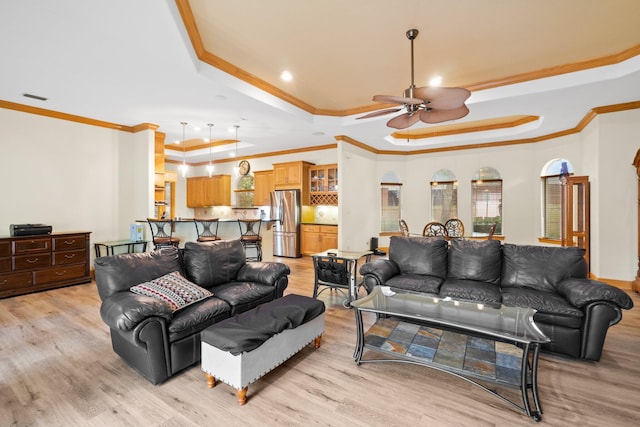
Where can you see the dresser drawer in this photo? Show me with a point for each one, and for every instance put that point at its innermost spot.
(15, 280)
(31, 246)
(59, 274)
(5, 265)
(5, 249)
(29, 262)
(69, 243)
(69, 257)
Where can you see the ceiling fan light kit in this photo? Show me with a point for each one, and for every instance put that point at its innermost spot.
(427, 104)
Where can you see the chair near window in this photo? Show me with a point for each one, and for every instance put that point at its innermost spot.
(492, 230)
(435, 229)
(455, 228)
(404, 228)
(162, 233)
(250, 237)
(207, 229)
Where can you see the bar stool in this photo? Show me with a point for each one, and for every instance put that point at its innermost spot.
(250, 237)
(162, 233)
(207, 229)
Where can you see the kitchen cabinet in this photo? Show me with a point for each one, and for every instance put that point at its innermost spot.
(36, 263)
(323, 185)
(318, 238)
(293, 176)
(204, 191)
(264, 184)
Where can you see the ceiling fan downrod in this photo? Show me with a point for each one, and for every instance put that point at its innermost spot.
(411, 35)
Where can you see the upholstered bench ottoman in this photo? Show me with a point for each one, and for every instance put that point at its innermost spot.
(243, 348)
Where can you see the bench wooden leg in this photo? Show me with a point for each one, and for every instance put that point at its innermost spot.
(316, 341)
(242, 395)
(211, 381)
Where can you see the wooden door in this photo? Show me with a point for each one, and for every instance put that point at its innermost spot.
(575, 218)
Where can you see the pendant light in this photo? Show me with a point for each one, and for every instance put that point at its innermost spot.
(183, 167)
(210, 165)
(236, 126)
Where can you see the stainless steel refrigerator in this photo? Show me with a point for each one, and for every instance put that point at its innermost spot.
(285, 211)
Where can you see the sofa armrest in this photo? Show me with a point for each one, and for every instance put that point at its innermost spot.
(382, 269)
(125, 310)
(266, 273)
(580, 292)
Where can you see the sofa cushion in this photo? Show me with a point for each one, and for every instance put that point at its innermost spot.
(173, 289)
(549, 303)
(415, 283)
(117, 273)
(475, 260)
(563, 320)
(242, 296)
(471, 290)
(540, 267)
(197, 317)
(419, 255)
(213, 263)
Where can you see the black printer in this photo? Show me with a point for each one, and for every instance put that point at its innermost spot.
(29, 229)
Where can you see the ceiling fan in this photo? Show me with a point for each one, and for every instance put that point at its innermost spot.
(428, 104)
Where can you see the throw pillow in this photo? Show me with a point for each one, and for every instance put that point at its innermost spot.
(173, 289)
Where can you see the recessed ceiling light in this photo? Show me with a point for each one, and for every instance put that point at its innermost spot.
(435, 81)
(196, 128)
(286, 76)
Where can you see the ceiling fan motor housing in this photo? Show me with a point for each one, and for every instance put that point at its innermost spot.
(434, 104)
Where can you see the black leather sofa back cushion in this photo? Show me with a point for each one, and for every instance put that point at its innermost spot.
(541, 267)
(419, 255)
(475, 260)
(120, 272)
(213, 263)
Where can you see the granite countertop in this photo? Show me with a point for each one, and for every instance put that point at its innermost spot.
(318, 223)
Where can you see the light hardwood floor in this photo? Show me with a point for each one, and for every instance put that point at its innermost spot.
(57, 369)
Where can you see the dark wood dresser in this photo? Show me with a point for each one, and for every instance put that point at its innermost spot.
(36, 263)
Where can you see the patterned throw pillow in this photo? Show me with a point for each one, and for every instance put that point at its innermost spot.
(173, 289)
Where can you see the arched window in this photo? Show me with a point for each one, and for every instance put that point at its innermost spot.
(390, 207)
(551, 175)
(486, 200)
(444, 196)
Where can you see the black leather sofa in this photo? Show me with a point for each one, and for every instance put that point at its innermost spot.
(157, 342)
(573, 311)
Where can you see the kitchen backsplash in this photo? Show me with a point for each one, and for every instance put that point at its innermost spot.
(325, 215)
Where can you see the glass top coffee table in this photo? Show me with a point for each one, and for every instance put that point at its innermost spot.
(472, 341)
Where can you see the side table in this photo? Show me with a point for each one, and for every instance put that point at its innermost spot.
(336, 269)
(130, 244)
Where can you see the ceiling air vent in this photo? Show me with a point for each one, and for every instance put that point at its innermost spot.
(39, 98)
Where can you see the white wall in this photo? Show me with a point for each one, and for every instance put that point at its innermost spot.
(81, 177)
(614, 195)
(72, 176)
(603, 151)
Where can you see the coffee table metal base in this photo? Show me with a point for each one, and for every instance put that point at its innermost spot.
(469, 357)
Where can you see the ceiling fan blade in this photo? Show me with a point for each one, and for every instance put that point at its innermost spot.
(390, 99)
(379, 113)
(443, 98)
(438, 116)
(403, 121)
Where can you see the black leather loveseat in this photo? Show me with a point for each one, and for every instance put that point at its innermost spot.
(573, 311)
(158, 342)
